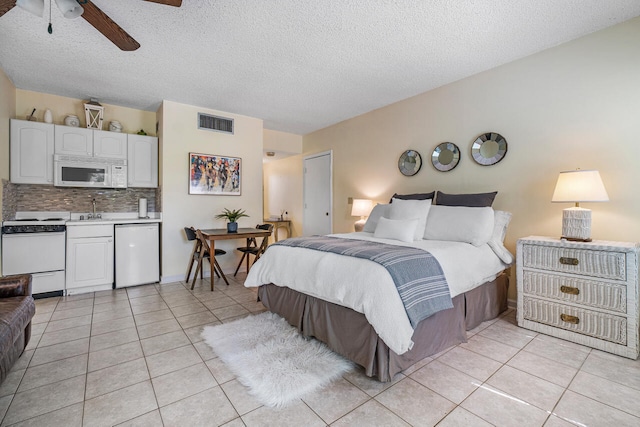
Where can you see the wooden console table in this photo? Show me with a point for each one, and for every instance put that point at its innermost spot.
(279, 223)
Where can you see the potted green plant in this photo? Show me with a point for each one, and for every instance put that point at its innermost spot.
(232, 216)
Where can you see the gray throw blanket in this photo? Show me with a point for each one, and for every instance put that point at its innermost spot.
(416, 273)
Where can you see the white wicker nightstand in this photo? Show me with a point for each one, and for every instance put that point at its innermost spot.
(586, 293)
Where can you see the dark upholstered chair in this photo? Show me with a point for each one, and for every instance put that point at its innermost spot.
(253, 248)
(195, 258)
(17, 308)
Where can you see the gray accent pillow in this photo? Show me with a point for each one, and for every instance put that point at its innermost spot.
(478, 200)
(378, 212)
(415, 196)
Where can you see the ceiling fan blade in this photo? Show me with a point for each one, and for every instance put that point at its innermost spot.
(96, 17)
(176, 3)
(6, 6)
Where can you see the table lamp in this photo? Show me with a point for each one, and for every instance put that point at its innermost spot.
(575, 187)
(361, 208)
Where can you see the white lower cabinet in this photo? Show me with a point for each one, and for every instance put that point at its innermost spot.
(49, 281)
(90, 255)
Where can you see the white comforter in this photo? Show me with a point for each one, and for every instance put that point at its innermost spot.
(366, 286)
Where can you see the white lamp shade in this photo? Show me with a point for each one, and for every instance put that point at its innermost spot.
(361, 207)
(70, 8)
(33, 6)
(579, 186)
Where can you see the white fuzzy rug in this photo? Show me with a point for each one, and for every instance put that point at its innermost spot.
(272, 359)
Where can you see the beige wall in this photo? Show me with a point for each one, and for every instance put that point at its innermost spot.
(283, 191)
(282, 183)
(573, 106)
(7, 111)
(132, 120)
(282, 141)
(180, 136)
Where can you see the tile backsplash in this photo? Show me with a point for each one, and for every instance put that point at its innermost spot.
(32, 197)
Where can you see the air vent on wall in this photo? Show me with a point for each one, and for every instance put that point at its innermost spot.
(215, 123)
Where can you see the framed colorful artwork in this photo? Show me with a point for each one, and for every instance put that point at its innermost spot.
(214, 175)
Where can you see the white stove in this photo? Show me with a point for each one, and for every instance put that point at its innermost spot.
(39, 218)
(35, 243)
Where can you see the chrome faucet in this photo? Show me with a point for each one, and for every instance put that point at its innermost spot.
(93, 202)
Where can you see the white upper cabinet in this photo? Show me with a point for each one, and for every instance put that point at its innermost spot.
(142, 161)
(31, 152)
(74, 141)
(109, 144)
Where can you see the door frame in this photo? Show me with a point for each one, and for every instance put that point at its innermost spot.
(304, 185)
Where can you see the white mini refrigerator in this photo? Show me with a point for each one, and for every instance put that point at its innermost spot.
(137, 254)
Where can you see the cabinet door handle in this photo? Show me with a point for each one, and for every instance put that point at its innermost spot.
(569, 319)
(568, 261)
(569, 290)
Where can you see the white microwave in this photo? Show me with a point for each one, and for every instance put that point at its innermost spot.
(93, 172)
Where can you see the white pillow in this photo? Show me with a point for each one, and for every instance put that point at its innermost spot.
(411, 209)
(378, 211)
(460, 224)
(496, 243)
(400, 229)
(501, 220)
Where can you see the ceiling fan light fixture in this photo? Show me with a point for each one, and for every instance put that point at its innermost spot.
(70, 8)
(32, 6)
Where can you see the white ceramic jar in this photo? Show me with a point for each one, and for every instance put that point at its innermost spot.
(72, 120)
(115, 126)
(48, 116)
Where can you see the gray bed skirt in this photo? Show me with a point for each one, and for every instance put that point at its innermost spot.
(348, 332)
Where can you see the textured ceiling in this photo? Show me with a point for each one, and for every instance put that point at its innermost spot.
(300, 65)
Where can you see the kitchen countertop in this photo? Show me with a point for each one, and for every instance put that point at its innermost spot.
(115, 218)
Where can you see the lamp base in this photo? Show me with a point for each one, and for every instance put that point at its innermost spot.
(359, 225)
(576, 224)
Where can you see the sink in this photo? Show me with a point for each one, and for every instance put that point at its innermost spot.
(85, 219)
(93, 217)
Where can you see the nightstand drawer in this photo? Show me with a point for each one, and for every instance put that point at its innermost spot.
(592, 323)
(591, 293)
(587, 262)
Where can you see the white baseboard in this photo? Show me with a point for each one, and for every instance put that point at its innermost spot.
(171, 279)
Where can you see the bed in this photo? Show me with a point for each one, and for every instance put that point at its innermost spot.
(352, 304)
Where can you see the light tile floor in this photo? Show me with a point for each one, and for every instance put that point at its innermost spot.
(134, 357)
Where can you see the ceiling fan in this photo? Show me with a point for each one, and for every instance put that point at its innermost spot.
(91, 13)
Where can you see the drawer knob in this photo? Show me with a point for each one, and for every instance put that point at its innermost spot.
(568, 261)
(569, 290)
(569, 319)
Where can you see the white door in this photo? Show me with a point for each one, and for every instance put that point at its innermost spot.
(32, 252)
(317, 195)
(89, 262)
(73, 141)
(137, 254)
(31, 152)
(111, 145)
(142, 161)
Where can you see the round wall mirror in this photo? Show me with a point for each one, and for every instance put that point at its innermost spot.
(409, 162)
(445, 156)
(489, 148)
